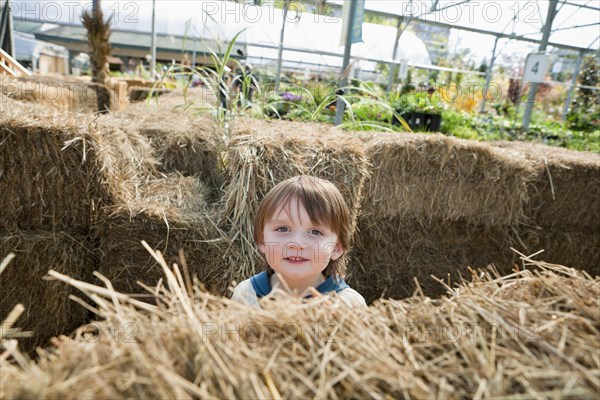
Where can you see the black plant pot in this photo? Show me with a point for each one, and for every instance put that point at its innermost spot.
(419, 121)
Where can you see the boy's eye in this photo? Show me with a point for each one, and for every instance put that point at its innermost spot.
(282, 229)
(316, 232)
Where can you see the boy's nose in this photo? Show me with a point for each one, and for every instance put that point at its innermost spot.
(297, 245)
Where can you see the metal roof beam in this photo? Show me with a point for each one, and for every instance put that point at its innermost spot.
(581, 5)
(475, 30)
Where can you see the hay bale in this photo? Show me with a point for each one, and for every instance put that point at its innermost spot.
(438, 178)
(169, 214)
(390, 253)
(48, 310)
(63, 172)
(564, 247)
(529, 335)
(184, 143)
(261, 154)
(137, 94)
(61, 93)
(190, 100)
(565, 188)
(45, 184)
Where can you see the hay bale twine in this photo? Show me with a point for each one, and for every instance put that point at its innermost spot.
(438, 178)
(262, 154)
(48, 309)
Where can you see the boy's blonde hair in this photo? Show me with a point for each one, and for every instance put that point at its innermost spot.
(324, 204)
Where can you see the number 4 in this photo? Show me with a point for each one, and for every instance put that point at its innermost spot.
(535, 67)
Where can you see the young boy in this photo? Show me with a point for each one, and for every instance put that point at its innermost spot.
(303, 230)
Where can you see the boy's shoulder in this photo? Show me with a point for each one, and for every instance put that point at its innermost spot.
(352, 297)
(244, 293)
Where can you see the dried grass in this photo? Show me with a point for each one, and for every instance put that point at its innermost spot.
(532, 334)
(579, 248)
(162, 99)
(45, 185)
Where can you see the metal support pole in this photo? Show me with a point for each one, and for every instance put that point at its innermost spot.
(153, 42)
(543, 44)
(340, 105)
(573, 84)
(488, 78)
(194, 54)
(286, 4)
(399, 31)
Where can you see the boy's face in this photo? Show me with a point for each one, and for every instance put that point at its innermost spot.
(296, 248)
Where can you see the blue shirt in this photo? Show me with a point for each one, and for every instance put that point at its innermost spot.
(262, 284)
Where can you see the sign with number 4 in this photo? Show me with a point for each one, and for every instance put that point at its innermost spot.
(535, 67)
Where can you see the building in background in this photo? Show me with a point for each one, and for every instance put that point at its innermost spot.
(39, 56)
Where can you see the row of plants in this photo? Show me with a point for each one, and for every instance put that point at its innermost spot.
(368, 106)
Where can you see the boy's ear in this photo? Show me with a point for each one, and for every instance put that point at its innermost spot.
(338, 250)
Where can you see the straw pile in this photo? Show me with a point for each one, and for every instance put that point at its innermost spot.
(528, 335)
(262, 154)
(47, 309)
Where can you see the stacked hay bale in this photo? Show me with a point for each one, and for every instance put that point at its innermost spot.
(79, 193)
(564, 206)
(49, 204)
(434, 205)
(262, 154)
(530, 335)
(170, 209)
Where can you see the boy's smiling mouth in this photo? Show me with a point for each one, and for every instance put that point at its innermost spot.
(295, 259)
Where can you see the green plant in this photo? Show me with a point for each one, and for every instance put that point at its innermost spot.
(416, 102)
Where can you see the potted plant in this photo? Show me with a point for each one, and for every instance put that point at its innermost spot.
(422, 111)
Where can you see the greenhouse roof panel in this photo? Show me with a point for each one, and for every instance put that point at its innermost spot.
(576, 24)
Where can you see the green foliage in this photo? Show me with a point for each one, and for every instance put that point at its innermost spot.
(372, 110)
(584, 114)
(416, 102)
(493, 127)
